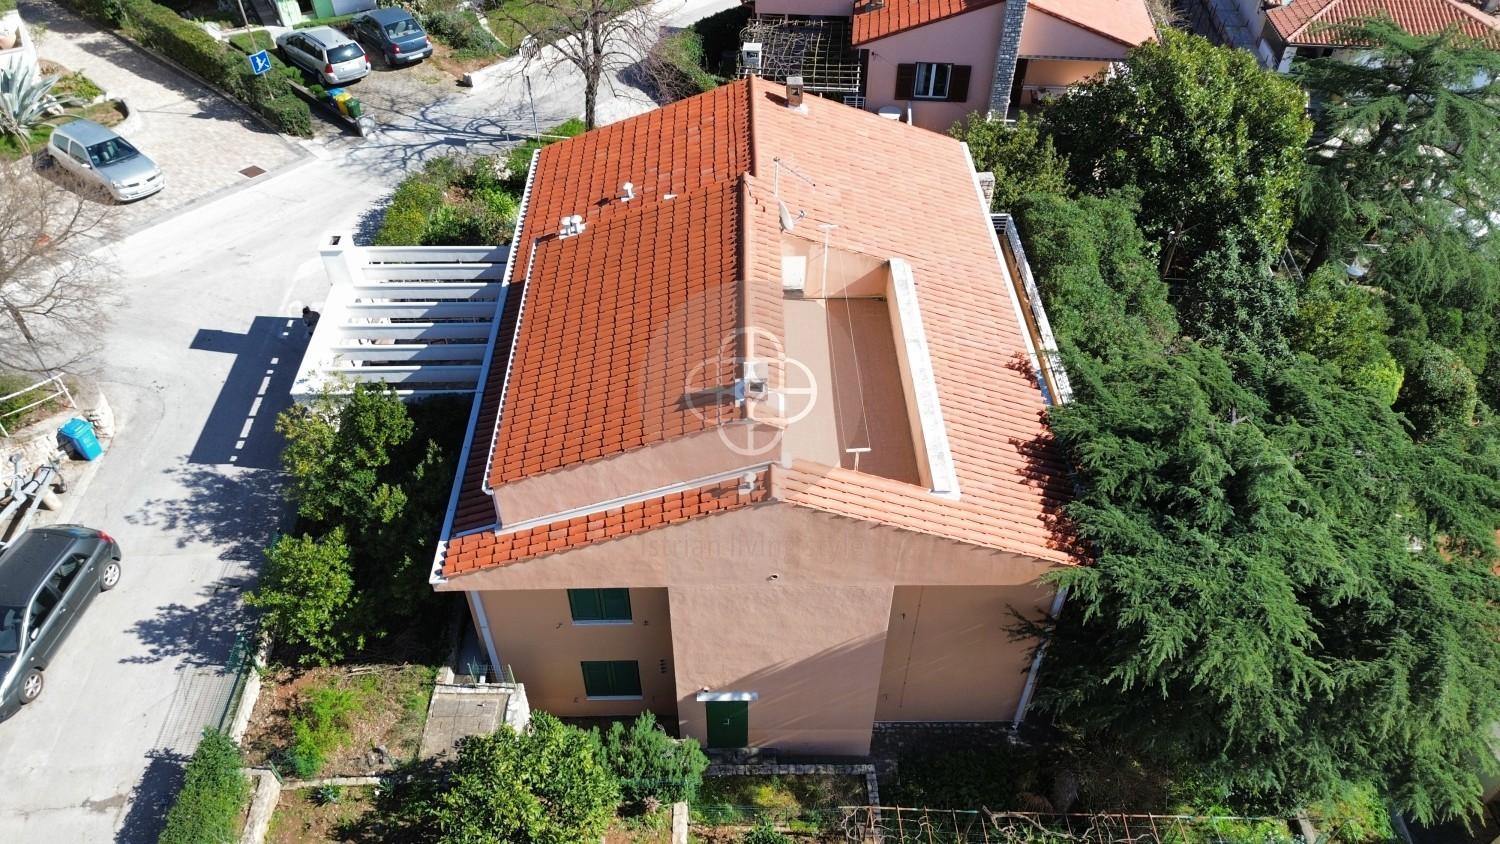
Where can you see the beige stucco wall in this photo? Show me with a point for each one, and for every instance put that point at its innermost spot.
(1044, 36)
(948, 656)
(812, 654)
(535, 635)
(1050, 73)
(810, 641)
(966, 39)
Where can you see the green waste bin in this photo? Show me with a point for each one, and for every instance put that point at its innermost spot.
(353, 107)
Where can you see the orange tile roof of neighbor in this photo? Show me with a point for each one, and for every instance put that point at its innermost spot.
(1311, 22)
(1125, 21)
(613, 317)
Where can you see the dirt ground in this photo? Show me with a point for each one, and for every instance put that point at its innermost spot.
(300, 820)
(385, 731)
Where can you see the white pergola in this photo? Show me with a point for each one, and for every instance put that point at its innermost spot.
(419, 318)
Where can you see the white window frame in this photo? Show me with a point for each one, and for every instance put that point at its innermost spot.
(932, 81)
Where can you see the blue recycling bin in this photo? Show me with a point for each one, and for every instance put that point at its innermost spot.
(80, 434)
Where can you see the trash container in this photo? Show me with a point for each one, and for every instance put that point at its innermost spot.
(354, 108)
(333, 94)
(342, 101)
(80, 435)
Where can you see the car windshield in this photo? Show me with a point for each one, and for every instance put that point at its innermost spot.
(10, 629)
(401, 28)
(112, 151)
(346, 53)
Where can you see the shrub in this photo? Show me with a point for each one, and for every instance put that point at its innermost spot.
(461, 31)
(213, 795)
(254, 42)
(650, 763)
(307, 591)
(764, 833)
(676, 66)
(337, 22)
(77, 85)
(546, 784)
(319, 727)
(289, 114)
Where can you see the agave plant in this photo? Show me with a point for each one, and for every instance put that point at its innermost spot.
(26, 99)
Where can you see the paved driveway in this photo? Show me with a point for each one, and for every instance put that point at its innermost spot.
(202, 141)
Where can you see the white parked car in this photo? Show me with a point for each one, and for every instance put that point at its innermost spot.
(96, 153)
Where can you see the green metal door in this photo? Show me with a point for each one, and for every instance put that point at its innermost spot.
(728, 723)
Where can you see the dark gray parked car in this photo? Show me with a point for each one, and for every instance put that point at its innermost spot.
(392, 32)
(47, 577)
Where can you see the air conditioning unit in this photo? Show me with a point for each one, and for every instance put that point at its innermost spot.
(750, 55)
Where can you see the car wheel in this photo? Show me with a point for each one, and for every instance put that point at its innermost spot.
(31, 686)
(110, 577)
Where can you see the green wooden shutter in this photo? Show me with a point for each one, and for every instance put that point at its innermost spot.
(627, 678)
(958, 83)
(614, 604)
(596, 679)
(906, 81)
(585, 604)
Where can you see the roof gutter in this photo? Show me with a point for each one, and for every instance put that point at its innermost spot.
(484, 377)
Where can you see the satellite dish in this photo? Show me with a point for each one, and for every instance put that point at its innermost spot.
(787, 223)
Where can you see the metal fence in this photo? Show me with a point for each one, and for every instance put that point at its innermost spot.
(46, 391)
(894, 825)
(241, 665)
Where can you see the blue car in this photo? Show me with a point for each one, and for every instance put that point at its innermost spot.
(394, 33)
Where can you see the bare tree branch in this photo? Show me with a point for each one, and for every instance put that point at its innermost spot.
(596, 37)
(57, 284)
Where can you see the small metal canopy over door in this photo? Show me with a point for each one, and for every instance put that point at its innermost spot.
(728, 718)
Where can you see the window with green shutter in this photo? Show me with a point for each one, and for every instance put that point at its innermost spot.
(612, 679)
(592, 606)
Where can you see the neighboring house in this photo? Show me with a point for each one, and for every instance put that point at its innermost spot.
(1309, 28)
(17, 47)
(931, 62)
(292, 12)
(759, 445)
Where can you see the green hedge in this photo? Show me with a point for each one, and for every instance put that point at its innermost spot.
(163, 31)
(213, 795)
(337, 22)
(7, 5)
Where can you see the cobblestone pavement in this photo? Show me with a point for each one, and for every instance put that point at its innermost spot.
(201, 140)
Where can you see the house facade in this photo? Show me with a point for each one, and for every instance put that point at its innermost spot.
(931, 62)
(1309, 28)
(760, 445)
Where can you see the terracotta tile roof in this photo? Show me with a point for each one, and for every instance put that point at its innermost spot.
(1125, 21)
(592, 378)
(616, 327)
(1312, 22)
(613, 323)
(873, 178)
(901, 15)
(489, 549)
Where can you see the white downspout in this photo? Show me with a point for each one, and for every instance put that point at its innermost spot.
(476, 608)
(1036, 662)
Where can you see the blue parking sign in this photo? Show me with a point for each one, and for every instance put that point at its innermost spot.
(260, 62)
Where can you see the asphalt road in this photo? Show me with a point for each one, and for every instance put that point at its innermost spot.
(196, 367)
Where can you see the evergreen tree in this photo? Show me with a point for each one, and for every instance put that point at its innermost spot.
(1408, 139)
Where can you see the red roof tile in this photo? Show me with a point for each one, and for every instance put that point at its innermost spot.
(488, 549)
(1125, 21)
(1314, 22)
(615, 324)
(615, 318)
